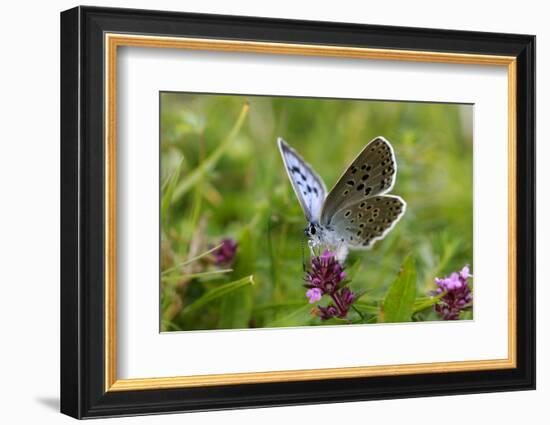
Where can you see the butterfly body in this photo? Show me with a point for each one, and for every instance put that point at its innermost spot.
(357, 211)
(319, 235)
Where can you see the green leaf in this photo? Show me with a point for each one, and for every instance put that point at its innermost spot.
(399, 301)
(466, 315)
(426, 302)
(209, 163)
(337, 321)
(367, 308)
(278, 306)
(295, 318)
(236, 308)
(216, 293)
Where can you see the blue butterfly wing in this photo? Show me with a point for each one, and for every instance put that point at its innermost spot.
(371, 173)
(308, 186)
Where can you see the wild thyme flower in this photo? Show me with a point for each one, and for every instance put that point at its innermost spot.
(345, 298)
(314, 295)
(225, 254)
(326, 273)
(456, 294)
(327, 312)
(327, 278)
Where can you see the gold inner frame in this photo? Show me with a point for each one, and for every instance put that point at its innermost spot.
(113, 41)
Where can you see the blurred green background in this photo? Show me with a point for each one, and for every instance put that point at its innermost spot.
(222, 177)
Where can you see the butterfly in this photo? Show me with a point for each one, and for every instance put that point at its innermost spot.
(357, 211)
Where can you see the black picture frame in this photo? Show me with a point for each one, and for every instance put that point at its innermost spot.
(83, 392)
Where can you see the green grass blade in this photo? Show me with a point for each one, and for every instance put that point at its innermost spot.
(167, 326)
(187, 262)
(217, 293)
(168, 188)
(209, 163)
(177, 278)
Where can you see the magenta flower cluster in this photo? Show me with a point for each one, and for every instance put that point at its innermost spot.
(457, 295)
(225, 254)
(327, 277)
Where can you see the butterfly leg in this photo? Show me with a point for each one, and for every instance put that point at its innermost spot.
(311, 243)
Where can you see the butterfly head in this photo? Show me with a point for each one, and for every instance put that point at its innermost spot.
(313, 231)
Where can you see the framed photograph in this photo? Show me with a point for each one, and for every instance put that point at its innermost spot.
(261, 212)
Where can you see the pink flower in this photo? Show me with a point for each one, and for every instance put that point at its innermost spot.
(314, 295)
(465, 273)
(326, 273)
(456, 294)
(327, 278)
